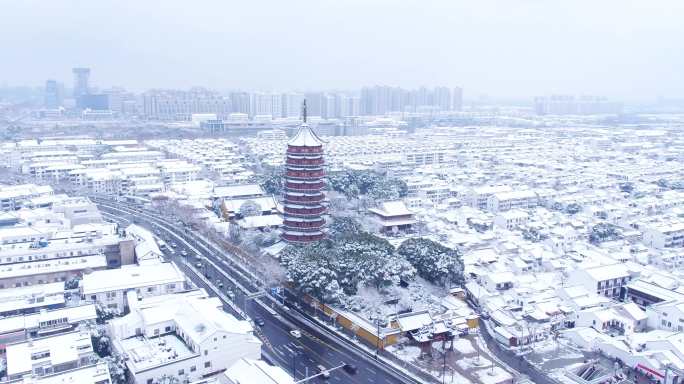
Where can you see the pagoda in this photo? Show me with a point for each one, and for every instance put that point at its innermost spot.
(304, 200)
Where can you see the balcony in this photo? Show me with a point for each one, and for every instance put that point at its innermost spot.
(305, 174)
(303, 238)
(294, 149)
(304, 211)
(296, 161)
(303, 225)
(305, 186)
(305, 198)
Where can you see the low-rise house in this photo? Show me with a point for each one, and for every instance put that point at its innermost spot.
(512, 219)
(109, 287)
(504, 201)
(246, 371)
(605, 280)
(90, 374)
(645, 293)
(44, 323)
(393, 216)
(188, 336)
(668, 315)
(49, 355)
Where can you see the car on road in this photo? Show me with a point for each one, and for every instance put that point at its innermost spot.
(198, 256)
(259, 321)
(296, 333)
(174, 245)
(324, 372)
(184, 253)
(350, 368)
(219, 283)
(198, 265)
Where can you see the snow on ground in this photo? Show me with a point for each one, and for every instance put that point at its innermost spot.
(473, 362)
(464, 346)
(407, 353)
(494, 376)
(457, 378)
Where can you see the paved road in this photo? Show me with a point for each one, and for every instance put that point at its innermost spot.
(302, 354)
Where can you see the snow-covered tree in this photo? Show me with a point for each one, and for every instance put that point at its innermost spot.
(272, 181)
(101, 341)
(573, 208)
(234, 233)
(433, 261)
(250, 208)
(117, 369)
(603, 232)
(168, 379)
(343, 227)
(72, 283)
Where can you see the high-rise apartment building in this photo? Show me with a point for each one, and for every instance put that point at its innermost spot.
(292, 104)
(53, 94)
(81, 79)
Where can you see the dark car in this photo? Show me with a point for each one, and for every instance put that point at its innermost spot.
(259, 321)
(350, 368)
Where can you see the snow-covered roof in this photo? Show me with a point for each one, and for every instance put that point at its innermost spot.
(305, 137)
(257, 371)
(130, 277)
(413, 321)
(391, 208)
(261, 221)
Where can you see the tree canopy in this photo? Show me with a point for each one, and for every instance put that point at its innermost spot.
(433, 261)
(352, 258)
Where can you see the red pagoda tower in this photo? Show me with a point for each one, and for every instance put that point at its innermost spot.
(304, 204)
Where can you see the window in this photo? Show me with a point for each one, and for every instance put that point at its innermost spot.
(181, 372)
(167, 329)
(193, 368)
(206, 352)
(149, 381)
(40, 355)
(156, 332)
(207, 364)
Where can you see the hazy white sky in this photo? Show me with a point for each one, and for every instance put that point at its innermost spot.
(506, 48)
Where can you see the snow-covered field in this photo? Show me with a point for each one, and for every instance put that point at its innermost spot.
(494, 376)
(407, 353)
(464, 346)
(473, 362)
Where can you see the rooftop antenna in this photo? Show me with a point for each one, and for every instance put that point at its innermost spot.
(304, 111)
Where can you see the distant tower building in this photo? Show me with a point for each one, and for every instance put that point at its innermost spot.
(81, 78)
(457, 99)
(292, 104)
(53, 94)
(304, 207)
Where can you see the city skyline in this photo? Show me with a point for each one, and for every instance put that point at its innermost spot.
(505, 50)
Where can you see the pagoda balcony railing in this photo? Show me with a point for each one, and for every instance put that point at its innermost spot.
(305, 186)
(295, 149)
(304, 224)
(303, 238)
(304, 211)
(305, 199)
(295, 161)
(305, 174)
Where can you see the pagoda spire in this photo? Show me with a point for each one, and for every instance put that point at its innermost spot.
(304, 111)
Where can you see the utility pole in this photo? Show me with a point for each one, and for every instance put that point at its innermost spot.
(443, 366)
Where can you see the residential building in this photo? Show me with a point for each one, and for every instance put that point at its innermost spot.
(49, 355)
(188, 336)
(109, 287)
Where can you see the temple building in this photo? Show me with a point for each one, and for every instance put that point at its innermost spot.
(304, 204)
